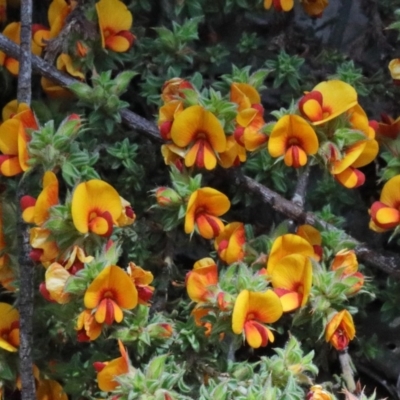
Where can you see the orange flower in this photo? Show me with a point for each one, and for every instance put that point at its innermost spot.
(279, 5)
(385, 213)
(96, 207)
(314, 8)
(13, 142)
(198, 313)
(251, 311)
(291, 278)
(87, 326)
(110, 291)
(7, 278)
(57, 14)
(202, 132)
(173, 155)
(340, 330)
(9, 327)
(201, 282)
(74, 260)
(37, 211)
(13, 31)
(229, 243)
(394, 68)
(141, 279)
(115, 21)
(327, 100)
(50, 389)
(204, 207)
(293, 138)
(12, 108)
(173, 89)
(313, 236)
(108, 371)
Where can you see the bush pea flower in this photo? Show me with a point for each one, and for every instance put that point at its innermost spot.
(340, 330)
(9, 327)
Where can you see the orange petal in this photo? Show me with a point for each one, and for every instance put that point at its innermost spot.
(390, 194)
(350, 178)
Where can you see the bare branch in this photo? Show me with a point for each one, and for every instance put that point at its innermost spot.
(387, 262)
(26, 266)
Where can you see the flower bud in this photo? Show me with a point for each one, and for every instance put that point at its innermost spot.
(167, 197)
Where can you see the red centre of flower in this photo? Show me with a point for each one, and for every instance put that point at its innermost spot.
(107, 32)
(341, 338)
(293, 142)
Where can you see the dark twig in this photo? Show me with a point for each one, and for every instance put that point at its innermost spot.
(387, 262)
(300, 191)
(26, 267)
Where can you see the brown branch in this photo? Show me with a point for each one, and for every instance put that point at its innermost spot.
(26, 293)
(387, 262)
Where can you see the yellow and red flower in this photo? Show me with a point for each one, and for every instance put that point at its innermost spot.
(115, 21)
(65, 64)
(96, 207)
(13, 142)
(37, 210)
(229, 243)
(87, 326)
(200, 131)
(44, 249)
(13, 32)
(50, 389)
(128, 216)
(313, 236)
(388, 127)
(56, 278)
(108, 371)
(204, 207)
(167, 115)
(327, 100)
(346, 263)
(340, 330)
(173, 89)
(57, 13)
(318, 393)
(110, 292)
(202, 281)
(9, 327)
(251, 311)
(233, 155)
(291, 278)
(293, 138)
(279, 5)
(141, 279)
(314, 8)
(394, 68)
(385, 213)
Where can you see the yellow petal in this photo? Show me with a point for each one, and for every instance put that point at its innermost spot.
(240, 311)
(390, 194)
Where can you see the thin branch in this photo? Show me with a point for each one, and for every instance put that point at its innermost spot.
(26, 266)
(387, 262)
(299, 195)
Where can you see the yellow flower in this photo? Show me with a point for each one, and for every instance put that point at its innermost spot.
(251, 311)
(57, 13)
(340, 330)
(204, 207)
(9, 327)
(115, 21)
(96, 207)
(56, 278)
(44, 249)
(313, 236)
(327, 100)
(50, 389)
(293, 138)
(202, 132)
(110, 291)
